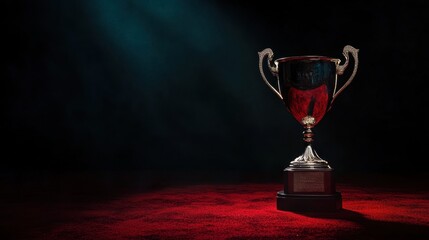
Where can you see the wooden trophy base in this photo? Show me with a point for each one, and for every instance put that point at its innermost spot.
(308, 203)
(311, 189)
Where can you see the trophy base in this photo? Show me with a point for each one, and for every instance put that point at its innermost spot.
(309, 203)
(309, 189)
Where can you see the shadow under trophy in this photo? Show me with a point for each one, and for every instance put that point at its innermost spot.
(308, 86)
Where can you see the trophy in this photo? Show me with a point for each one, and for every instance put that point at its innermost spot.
(308, 86)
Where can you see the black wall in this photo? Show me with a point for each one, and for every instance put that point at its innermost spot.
(174, 85)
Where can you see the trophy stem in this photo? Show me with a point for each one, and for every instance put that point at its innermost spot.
(308, 134)
(309, 159)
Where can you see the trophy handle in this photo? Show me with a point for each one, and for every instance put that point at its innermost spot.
(340, 68)
(273, 68)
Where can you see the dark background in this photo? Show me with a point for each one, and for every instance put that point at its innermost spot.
(149, 86)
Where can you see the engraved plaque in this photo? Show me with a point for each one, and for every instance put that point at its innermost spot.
(309, 182)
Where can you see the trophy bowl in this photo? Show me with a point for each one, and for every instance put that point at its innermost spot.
(308, 86)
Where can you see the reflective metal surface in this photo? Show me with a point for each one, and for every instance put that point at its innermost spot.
(308, 86)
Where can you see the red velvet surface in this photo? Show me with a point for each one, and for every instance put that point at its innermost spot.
(217, 211)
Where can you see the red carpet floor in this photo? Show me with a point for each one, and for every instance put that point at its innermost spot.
(218, 211)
